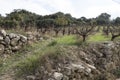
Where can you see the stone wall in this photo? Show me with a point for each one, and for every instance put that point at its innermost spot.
(94, 61)
(12, 42)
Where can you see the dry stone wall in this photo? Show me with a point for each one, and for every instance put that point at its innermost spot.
(12, 42)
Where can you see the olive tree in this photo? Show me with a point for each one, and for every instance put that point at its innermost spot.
(115, 31)
(85, 30)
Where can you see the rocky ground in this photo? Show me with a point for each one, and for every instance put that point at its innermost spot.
(89, 61)
(96, 61)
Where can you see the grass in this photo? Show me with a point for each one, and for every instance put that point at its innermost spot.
(26, 61)
(67, 40)
(41, 47)
(16, 31)
(13, 60)
(29, 64)
(98, 37)
(54, 49)
(32, 61)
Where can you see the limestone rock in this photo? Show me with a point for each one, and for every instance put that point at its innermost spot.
(14, 41)
(23, 38)
(3, 33)
(1, 48)
(31, 77)
(12, 35)
(1, 38)
(15, 48)
(78, 66)
(58, 76)
(7, 40)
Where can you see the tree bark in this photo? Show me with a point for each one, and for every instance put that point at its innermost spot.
(84, 38)
(114, 36)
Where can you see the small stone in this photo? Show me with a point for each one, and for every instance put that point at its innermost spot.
(78, 66)
(91, 66)
(31, 77)
(65, 78)
(14, 41)
(16, 48)
(23, 38)
(7, 40)
(51, 79)
(88, 70)
(58, 76)
(3, 33)
(30, 37)
(1, 38)
(12, 35)
(67, 71)
(1, 48)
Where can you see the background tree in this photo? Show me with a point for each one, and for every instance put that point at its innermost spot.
(103, 19)
(1, 20)
(114, 28)
(45, 24)
(22, 18)
(116, 21)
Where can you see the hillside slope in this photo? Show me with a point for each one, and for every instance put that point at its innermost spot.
(61, 58)
(49, 60)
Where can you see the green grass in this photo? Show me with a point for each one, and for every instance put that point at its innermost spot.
(32, 60)
(67, 40)
(8, 63)
(98, 37)
(29, 64)
(39, 47)
(54, 50)
(28, 60)
(16, 31)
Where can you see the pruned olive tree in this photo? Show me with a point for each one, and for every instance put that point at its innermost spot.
(115, 31)
(85, 30)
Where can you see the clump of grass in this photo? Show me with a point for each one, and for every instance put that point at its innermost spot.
(27, 66)
(13, 60)
(67, 40)
(1, 62)
(32, 62)
(116, 72)
(52, 43)
(7, 64)
(17, 31)
(98, 37)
